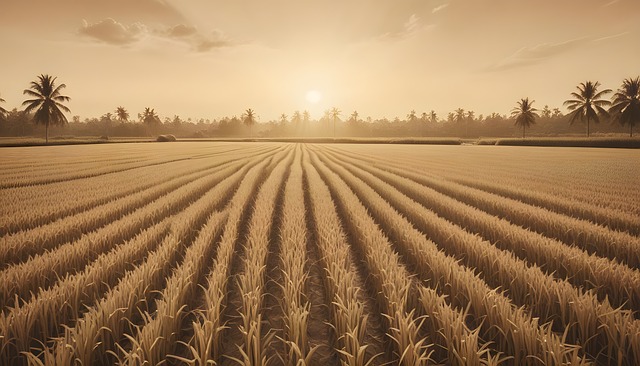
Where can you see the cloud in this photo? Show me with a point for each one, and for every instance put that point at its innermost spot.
(181, 30)
(197, 41)
(409, 28)
(111, 32)
(214, 41)
(535, 54)
(438, 8)
(606, 38)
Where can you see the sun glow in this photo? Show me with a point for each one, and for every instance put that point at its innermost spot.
(313, 96)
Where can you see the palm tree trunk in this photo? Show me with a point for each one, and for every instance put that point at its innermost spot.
(523, 129)
(630, 129)
(334, 128)
(46, 133)
(587, 127)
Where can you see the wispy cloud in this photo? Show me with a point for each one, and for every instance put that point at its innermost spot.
(439, 8)
(181, 30)
(610, 3)
(535, 54)
(606, 38)
(409, 28)
(539, 53)
(112, 32)
(215, 40)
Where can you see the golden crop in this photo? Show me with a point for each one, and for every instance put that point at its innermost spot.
(305, 254)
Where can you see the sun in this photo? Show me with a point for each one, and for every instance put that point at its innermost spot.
(313, 96)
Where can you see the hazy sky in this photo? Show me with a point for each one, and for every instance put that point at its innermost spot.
(212, 58)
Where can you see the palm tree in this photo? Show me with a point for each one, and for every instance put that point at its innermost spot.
(626, 103)
(249, 119)
(283, 119)
(411, 116)
(3, 112)
(335, 112)
(47, 104)
(471, 115)
(433, 116)
(295, 119)
(587, 103)
(524, 114)
(459, 113)
(354, 116)
(123, 115)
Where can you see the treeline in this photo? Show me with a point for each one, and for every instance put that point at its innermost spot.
(459, 123)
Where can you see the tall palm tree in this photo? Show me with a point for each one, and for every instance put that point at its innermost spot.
(3, 112)
(335, 113)
(47, 102)
(525, 114)
(249, 119)
(123, 115)
(626, 104)
(588, 103)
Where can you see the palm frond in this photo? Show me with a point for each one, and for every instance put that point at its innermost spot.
(31, 105)
(575, 115)
(57, 90)
(601, 94)
(61, 98)
(32, 93)
(571, 102)
(63, 107)
(579, 97)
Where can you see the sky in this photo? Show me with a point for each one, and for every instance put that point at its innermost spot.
(383, 58)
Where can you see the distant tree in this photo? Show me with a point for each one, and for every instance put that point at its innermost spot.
(306, 117)
(122, 114)
(588, 103)
(556, 113)
(149, 117)
(3, 112)
(433, 117)
(424, 117)
(354, 117)
(546, 112)
(460, 119)
(524, 114)
(176, 122)
(471, 115)
(451, 117)
(626, 104)
(459, 114)
(249, 119)
(335, 113)
(283, 119)
(411, 117)
(296, 118)
(47, 102)
(106, 120)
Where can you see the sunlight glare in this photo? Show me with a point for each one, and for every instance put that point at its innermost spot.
(313, 96)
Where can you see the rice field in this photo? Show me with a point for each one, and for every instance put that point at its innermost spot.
(268, 253)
